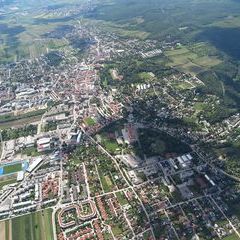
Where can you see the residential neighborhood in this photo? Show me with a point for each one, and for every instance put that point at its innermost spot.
(105, 139)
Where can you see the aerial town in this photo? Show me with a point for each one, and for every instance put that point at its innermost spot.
(97, 149)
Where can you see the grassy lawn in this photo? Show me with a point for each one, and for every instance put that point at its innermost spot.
(12, 168)
(121, 198)
(106, 182)
(199, 106)
(184, 85)
(231, 237)
(117, 231)
(111, 145)
(35, 226)
(90, 121)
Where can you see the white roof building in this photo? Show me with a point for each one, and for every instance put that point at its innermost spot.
(34, 164)
(43, 140)
(20, 176)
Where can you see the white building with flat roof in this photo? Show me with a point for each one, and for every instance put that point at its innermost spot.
(20, 176)
(34, 164)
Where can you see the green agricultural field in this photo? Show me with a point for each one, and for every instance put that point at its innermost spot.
(182, 57)
(190, 67)
(12, 168)
(207, 61)
(177, 52)
(35, 226)
(25, 37)
(193, 59)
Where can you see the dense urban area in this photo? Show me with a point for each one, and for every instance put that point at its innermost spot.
(111, 130)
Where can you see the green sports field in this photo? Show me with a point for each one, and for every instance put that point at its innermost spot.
(12, 168)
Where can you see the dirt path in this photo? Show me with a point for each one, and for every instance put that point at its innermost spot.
(10, 230)
(2, 230)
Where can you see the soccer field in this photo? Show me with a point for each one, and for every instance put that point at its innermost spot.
(12, 168)
(35, 226)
